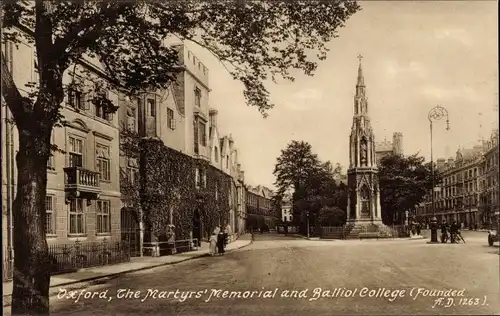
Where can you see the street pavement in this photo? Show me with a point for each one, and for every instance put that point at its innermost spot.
(274, 264)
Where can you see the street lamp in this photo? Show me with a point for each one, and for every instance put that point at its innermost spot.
(435, 114)
(307, 214)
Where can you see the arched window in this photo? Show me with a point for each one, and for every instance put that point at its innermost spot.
(365, 200)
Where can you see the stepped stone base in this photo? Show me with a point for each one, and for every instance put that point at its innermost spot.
(353, 229)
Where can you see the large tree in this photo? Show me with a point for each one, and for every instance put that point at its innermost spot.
(404, 181)
(331, 216)
(258, 41)
(312, 182)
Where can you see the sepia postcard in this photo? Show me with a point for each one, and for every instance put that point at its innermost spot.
(245, 157)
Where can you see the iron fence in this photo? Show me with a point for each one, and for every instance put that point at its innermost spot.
(71, 257)
(164, 248)
(67, 258)
(342, 232)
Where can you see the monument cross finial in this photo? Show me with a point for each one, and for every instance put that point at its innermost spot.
(360, 57)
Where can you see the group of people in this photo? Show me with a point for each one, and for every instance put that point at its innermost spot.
(218, 241)
(451, 232)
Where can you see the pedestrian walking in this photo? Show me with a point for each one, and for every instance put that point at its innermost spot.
(220, 243)
(226, 236)
(213, 242)
(444, 232)
(453, 231)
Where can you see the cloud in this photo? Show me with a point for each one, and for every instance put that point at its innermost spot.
(459, 35)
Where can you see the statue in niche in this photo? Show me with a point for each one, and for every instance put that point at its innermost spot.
(365, 200)
(363, 153)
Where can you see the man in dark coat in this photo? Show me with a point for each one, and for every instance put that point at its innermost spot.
(444, 232)
(453, 231)
(220, 242)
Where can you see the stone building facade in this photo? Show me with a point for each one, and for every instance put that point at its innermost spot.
(394, 147)
(468, 192)
(184, 120)
(83, 189)
(259, 208)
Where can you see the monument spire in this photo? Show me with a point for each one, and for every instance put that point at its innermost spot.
(363, 200)
(361, 79)
(360, 102)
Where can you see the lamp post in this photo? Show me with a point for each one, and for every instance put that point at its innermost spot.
(435, 114)
(307, 214)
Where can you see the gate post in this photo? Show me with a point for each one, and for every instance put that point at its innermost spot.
(141, 237)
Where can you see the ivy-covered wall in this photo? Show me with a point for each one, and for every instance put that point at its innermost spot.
(168, 182)
(214, 199)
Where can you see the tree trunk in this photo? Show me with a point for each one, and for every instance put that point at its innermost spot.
(32, 267)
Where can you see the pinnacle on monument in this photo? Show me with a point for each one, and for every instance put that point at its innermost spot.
(361, 79)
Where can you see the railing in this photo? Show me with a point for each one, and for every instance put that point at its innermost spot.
(71, 257)
(78, 176)
(165, 248)
(66, 258)
(342, 232)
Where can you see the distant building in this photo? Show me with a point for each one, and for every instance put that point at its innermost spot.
(386, 147)
(286, 211)
(468, 192)
(340, 178)
(259, 208)
(488, 202)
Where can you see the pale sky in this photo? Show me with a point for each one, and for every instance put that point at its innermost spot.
(416, 55)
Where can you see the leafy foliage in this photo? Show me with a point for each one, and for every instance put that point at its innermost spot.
(128, 37)
(312, 182)
(166, 181)
(331, 216)
(404, 182)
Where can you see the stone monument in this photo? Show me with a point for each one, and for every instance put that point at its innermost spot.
(363, 201)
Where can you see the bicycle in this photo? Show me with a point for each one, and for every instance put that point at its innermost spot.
(457, 238)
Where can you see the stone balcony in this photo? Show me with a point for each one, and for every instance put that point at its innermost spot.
(81, 182)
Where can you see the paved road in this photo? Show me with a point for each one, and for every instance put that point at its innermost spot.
(277, 263)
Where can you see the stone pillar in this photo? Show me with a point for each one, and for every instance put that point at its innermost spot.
(358, 205)
(369, 153)
(379, 210)
(358, 158)
(373, 204)
(348, 206)
(141, 237)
